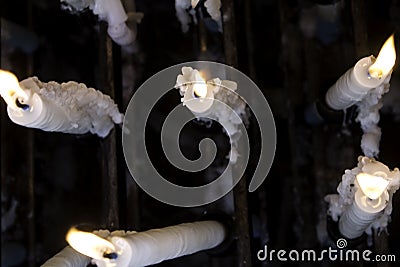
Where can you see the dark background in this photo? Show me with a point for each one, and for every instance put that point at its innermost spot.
(52, 181)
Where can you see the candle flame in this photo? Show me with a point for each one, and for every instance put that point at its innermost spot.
(385, 60)
(10, 89)
(88, 244)
(372, 186)
(200, 86)
(195, 3)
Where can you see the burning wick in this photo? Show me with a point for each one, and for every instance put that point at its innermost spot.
(385, 60)
(110, 255)
(19, 103)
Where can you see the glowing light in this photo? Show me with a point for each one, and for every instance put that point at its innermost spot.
(372, 186)
(385, 60)
(89, 244)
(10, 90)
(200, 86)
(195, 3)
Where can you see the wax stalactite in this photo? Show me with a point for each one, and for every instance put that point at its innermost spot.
(120, 248)
(368, 73)
(68, 107)
(214, 99)
(370, 199)
(365, 197)
(186, 8)
(113, 12)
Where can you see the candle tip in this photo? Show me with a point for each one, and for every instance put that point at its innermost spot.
(10, 89)
(385, 60)
(372, 186)
(110, 255)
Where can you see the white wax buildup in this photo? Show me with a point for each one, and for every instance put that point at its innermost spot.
(68, 107)
(198, 96)
(181, 7)
(113, 12)
(185, 10)
(368, 116)
(358, 212)
(214, 9)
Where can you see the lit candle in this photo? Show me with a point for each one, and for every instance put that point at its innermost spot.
(370, 199)
(365, 198)
(113, 12)
(214, 9)
(150, 247)
(214, 99)
(198, 97)
(68, 107)
(368, 73)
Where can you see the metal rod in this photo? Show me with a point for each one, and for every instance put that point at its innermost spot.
(359, 28)
(30, 148)
(229, 31)
(132, 189)
(108, 145)
(240, 191)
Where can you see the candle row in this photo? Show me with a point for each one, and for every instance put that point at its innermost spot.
(365, 192)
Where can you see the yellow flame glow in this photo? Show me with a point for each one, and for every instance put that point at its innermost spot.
(194, 3)
(10, 89)
(385, 60)
(372, 186)
(88, 244)
(200, 86)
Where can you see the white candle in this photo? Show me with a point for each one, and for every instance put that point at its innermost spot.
(69, 107)
(68, 257)
(113, 12)
(370, 199)
(184, 18)
(365, 198)
(150, 247)
(214, 99)
(214, 9)
(199, 94)
(198, 97)
(368, 73)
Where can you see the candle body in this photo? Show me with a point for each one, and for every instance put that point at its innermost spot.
(114, 13)
(359, 216)
(220, 103)
(154, 246)
(352, 86)
(45, 115)
(68, 107)
(342, 206)
(68, 257)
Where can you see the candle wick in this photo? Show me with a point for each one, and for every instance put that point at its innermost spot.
(196, 95)
(110, 255)
(375, 74)
(21, 105)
